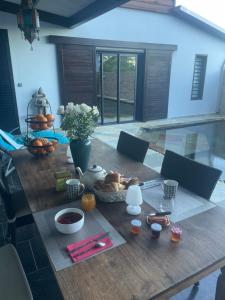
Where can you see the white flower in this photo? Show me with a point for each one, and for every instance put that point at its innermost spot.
(70, 107)
(77, 109)
(95, 110)
(85, 108)
(80, 120)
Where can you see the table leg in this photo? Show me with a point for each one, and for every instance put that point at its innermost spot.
(220, 287)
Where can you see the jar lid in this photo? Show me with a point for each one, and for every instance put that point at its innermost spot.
(176, 230)
(156, 227)
(95, 169)
(136, 223)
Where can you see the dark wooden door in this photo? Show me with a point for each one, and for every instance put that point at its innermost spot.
(8, 107)
(156, 84)
(77, 74)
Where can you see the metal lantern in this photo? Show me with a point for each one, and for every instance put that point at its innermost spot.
(28, 21)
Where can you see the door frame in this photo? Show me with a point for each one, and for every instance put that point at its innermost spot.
(5, 38)
(118, 53)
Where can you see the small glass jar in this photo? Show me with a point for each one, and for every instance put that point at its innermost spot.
(156, 229)
(176, 233)
(135, 226)
(88, 202)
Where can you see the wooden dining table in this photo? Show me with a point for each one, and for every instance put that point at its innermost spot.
(142, 268)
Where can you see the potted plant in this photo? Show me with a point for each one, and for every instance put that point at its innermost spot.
(79, 122)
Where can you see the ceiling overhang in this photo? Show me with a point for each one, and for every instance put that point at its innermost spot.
(91, 10)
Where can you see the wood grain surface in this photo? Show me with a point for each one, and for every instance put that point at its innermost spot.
(37, 174)
(160, 6)
(142, 268)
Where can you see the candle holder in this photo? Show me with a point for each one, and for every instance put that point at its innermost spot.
(134, 200)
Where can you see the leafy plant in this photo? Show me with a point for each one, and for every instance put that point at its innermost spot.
(79, 121)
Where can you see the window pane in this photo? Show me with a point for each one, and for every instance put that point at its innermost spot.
(98, 79)
(110, 87)
(128, 69)
(198, 77)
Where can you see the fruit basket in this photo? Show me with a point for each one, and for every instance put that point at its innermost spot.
(40, 121)
(40, 147)
(110, 197)
(39, 113)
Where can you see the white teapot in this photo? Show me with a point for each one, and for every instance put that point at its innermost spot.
(92, 174)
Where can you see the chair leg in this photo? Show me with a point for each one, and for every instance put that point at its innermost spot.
(220, 287)
(11, 233)
(196, 284)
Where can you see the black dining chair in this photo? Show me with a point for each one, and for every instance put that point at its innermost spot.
(192, 175)
(132, 146)
(17, 214)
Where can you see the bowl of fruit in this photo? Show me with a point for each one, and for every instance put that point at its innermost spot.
(40, 121)
(41, 146)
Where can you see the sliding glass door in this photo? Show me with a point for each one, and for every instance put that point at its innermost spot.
(116, 86)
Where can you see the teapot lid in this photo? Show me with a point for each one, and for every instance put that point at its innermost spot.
(95, 169)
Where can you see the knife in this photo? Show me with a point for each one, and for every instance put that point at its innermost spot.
(150, 183)
(160, 213)
(102, 236)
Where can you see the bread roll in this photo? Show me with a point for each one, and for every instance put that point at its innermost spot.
(133, 181)
(112, 177)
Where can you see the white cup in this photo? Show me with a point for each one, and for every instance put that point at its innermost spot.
(74, 188)
(169, 188)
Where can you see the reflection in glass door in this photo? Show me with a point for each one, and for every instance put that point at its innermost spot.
(116, 86)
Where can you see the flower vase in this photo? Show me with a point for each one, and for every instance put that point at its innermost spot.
(80, 151)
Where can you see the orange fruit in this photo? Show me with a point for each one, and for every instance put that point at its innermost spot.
(34, 126)
(50, 117)
(51, 149)
(40, 117)
(37, 142)
(43, 126)
(44, 141)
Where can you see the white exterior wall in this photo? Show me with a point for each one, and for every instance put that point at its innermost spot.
(39, 67)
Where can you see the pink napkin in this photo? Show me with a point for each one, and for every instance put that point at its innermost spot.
(75, 255)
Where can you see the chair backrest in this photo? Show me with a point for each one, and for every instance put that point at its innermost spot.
(7, 202)
(132, 146)
(192, 175)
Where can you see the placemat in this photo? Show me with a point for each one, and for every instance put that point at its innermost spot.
(56, 242)
(185, 205)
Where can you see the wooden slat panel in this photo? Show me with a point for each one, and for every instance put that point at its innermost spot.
(161, 6)
(77, 73)
(156, 89)
(8, 108)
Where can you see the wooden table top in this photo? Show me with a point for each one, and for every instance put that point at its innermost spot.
(142, 268)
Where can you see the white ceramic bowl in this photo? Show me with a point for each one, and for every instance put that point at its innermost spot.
(69, 228)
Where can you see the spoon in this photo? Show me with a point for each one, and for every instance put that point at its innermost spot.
(96, 245)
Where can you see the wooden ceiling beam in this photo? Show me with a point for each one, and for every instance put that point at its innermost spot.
(94, 10)
(90, 12)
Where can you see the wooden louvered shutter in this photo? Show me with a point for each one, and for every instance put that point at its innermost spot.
(8, 107)
(157, 81)
(77, 74)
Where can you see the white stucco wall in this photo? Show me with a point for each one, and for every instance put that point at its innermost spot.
(39, 67)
